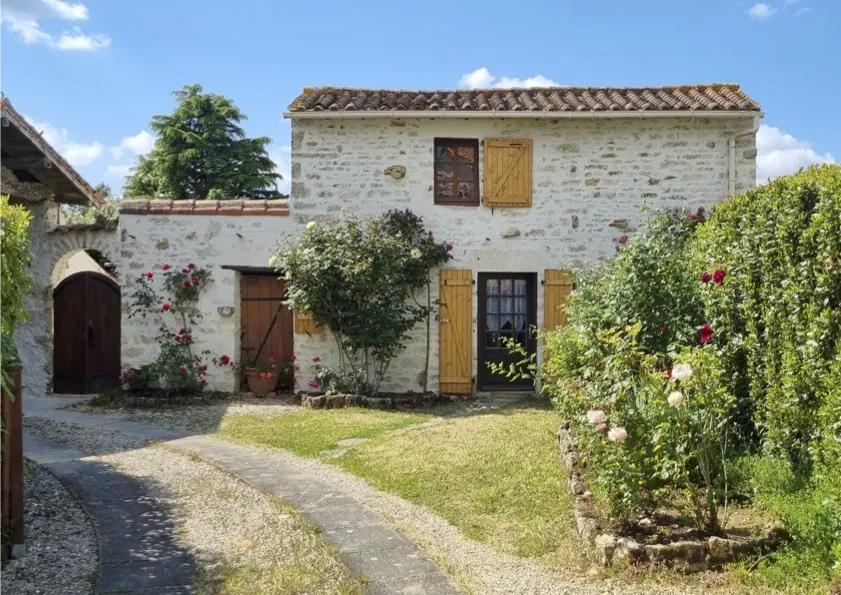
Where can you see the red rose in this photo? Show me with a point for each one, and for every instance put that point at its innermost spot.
(315, 360)
(718, 276)
(271, 359)
(664, 328)
(166, 267)
(225, 360)
(296, 368)
(150, 274)
(705, 334)
(292, 358)
(191, 266)
(166, 306)
(705, 278)
(313, 383)
(203, 382)
(177, 338)
(188, 338)
(449, 247)
(183, 371)
(195, 280)
(700, 210)
(183, 331)
(623, 240)
(669, 374)
(203, 368)
(186, 283)
(263, 374)
(694, 217)
(185, 271)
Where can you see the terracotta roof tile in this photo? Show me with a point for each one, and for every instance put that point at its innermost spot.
(247, 207)
(699, 98)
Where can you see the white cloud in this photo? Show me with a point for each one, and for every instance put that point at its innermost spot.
(117, 172)
(802, 11)
(139, 144)
(761, 11)
(282, 156)
(24, 18)
(779, 154)
(481, 78)
(77, 154)
(791, 2)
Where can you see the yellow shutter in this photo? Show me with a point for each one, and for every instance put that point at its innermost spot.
(508, 172)
(455, 349)
(305, 324)
(557, 285)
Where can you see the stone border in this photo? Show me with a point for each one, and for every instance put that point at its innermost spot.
(339, 401)
(612, 550)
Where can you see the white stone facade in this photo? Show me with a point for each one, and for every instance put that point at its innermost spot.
(591, 178)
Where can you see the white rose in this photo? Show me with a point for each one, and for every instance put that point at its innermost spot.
(596, 416)
(681, 372)
(618, 434)
(311, 224)
(675, 399)
(415, 253)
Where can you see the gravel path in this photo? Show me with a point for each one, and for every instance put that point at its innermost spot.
(61, 548)
(237, 534)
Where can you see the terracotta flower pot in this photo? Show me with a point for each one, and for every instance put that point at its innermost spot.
(261, 383)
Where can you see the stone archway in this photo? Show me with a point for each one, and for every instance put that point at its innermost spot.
(52, 248)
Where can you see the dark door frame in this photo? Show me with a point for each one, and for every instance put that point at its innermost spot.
(486, 381)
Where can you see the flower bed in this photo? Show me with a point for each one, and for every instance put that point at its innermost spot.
(384, 401)
(660, 538)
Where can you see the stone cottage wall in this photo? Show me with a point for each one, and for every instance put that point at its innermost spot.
(239, 234)
(591, 178)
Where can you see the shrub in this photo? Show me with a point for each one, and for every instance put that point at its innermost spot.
(360, 279)
(778, 315)
(15, 281)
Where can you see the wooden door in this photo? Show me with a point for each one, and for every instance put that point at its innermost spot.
(266, 323)
(455, 335)
(86, 334)
(507, 310)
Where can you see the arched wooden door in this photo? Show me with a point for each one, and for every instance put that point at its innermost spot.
(86, 336)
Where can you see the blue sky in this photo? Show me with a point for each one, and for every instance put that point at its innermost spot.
(91, 73)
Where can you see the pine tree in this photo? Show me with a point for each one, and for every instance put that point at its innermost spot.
(201, 151)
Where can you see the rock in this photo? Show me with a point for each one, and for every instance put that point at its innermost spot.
(396, 171)
(379, 402)
(354, 400)
(314, 402)
(334, 401)
(645, 523)
(677, 554)
(605, 546)
(627, 552)
(511, 232)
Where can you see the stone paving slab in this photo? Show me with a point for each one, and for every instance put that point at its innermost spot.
(138, 552)
(366, 543)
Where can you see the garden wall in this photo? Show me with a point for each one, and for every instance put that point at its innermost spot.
(236, 234)
(590, 180)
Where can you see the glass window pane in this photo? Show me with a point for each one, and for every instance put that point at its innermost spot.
(506, 322)
(505, 305)
(492, 339)
(465, 173)
(505, 286)
(493, 322)
(493, 305)
(520, 286)
(465, 190)
(467, 154)
(520, 323)
(520, 305)
(493, 287)
(444, 154)
(444, 189)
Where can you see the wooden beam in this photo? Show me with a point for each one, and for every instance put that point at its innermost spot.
(27, 162)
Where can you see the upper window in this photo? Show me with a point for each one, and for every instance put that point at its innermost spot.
(456, 171)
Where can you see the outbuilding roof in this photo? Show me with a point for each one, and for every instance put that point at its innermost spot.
(715, 97)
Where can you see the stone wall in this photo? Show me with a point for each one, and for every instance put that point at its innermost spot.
(182, 233)
(591, 178)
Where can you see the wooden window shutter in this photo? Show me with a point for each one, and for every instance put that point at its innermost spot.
(508, 164)
(305, 324)
(455, 349)
(557, 285)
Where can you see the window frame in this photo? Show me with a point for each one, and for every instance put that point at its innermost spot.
(443, 200)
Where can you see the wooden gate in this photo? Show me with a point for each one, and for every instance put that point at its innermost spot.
(265, 321)
(86, 335)
(455, 349)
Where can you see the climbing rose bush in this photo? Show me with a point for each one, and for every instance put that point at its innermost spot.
(170, 298)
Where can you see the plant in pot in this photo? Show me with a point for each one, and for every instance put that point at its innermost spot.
(263, 375)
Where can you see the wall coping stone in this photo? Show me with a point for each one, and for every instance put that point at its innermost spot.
(248, 207)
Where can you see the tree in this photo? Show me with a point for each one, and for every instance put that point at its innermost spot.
(106, 214)
(201, 151)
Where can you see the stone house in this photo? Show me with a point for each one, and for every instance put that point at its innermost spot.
(523, 182)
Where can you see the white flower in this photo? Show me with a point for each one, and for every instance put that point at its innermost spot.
(681, 372)
(311, 224)
(675, 399)
(415, 253)
(618, 434)
(596, 416)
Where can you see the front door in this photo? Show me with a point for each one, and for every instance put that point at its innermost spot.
(507, 310)
(86, 334)
(266, 322)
